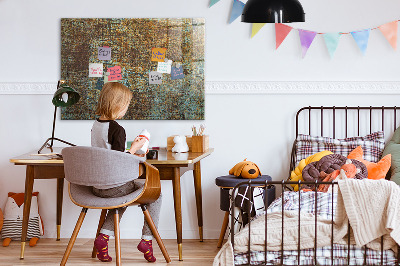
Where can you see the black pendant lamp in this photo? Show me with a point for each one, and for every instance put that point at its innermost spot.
(273, 11)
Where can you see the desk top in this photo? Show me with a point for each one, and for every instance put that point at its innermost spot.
(164, 157)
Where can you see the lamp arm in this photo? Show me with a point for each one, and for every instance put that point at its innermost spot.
(54, 126)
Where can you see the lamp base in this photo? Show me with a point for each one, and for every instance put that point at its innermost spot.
(50, 146)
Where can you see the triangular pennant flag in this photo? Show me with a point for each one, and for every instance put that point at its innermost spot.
(361, 37)
(306, 39)
(281, 31)
(213, 2)
(255, 28)
(332, 41)
(237, 9)
(390, 32)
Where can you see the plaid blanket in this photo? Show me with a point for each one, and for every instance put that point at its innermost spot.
(324, 257)
(323, 205)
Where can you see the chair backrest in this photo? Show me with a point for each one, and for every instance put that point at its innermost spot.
(92, 166)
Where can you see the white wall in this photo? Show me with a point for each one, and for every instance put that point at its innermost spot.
(258, 126)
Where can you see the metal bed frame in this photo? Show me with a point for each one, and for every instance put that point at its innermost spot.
(283, 184)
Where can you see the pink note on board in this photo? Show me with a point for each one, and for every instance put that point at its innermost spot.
(115, 73)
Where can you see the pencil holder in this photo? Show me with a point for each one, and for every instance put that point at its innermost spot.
(200, 143)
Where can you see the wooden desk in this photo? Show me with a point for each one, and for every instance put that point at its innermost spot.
(168, 164)
(40, 167)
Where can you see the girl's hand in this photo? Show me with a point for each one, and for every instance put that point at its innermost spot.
(143, 155)
(137, 144)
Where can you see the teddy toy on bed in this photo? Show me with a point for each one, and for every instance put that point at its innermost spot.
(245, 169)
(13, 215)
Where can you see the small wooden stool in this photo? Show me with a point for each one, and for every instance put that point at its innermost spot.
(226, 183)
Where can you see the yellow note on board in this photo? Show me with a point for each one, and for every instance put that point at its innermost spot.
(158, 54)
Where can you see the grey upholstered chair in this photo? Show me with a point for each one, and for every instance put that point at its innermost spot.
(85, 167)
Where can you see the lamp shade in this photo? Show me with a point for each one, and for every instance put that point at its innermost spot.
(273, 11)
(65, 96)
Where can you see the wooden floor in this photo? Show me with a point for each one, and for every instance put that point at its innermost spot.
(50, 252)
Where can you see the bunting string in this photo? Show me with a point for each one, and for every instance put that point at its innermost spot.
(361, 37)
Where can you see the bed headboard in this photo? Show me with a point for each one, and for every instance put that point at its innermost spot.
(344, 121)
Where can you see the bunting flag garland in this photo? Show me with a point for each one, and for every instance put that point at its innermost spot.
(213, 2)
(281, 31)
(361, 38)
(237, 9)
(256, 28)
(332, 41)
(389, 30)
(306, 39)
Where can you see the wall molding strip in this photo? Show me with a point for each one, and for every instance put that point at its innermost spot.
(248, 87)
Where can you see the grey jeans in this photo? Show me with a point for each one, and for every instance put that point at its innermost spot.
(154, 208)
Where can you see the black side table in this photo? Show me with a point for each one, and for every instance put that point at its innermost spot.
(226, 183)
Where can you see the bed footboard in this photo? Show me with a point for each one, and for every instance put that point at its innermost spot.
(309, 256)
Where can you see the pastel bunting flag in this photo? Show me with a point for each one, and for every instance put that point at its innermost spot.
(237, 9)
(306, 39)
(389, 30)
(213, 2)
(361, 37)
(256, 28)
(281, 31)
(332, 41)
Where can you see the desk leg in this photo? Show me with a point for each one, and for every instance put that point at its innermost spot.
(27, 206)
(199, 204)
(176, 182)
(60, 190)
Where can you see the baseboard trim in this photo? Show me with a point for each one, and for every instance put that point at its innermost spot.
(246, 87)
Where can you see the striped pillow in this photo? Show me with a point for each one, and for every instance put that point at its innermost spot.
(372, 145)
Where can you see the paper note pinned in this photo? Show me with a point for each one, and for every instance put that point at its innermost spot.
(115, 73)
(164, 67)
(106, 75)
(158, 54)
(155, 77)
(104, 53)
(177, 73)
(95, 70)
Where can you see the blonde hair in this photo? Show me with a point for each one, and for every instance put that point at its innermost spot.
(114, 97)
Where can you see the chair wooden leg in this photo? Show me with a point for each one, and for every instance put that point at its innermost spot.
(101, 222)
(154, 230)
(117, 238)
(73, 237)
(223, 229)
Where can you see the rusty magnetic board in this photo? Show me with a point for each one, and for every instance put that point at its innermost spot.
(131, 41)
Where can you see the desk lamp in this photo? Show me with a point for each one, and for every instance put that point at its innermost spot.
(64, 96)
(273, 11)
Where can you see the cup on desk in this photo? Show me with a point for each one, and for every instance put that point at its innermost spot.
(152, 155)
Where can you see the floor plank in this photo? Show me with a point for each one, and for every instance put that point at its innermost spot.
(49, 252)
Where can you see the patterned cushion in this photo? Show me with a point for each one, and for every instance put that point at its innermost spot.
(372, 144)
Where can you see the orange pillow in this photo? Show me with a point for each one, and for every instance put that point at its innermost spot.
(375, 170)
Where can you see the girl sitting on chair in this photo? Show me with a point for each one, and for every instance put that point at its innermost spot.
(106, 133)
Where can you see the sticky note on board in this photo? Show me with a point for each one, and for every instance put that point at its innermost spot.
(177, 73)
(106, 74)
(158, 54)
(155, 77)
(115, 73)
(95, 70)
(104, 53)
(164, 67)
